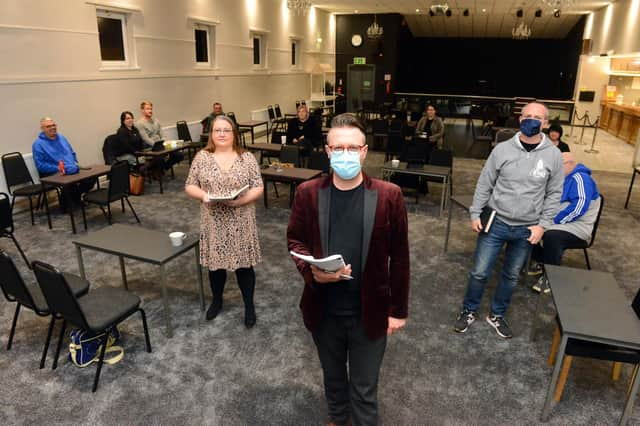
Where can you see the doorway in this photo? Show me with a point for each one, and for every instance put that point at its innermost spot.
(360, 85)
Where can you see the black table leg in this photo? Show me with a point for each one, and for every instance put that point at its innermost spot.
(264, 193)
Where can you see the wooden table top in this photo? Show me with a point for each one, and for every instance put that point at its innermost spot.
(84, 173)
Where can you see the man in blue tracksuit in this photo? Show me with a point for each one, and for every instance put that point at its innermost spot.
(522, 182)
(579, 204)
(48, 150)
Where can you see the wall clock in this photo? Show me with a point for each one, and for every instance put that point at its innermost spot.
(356, 40)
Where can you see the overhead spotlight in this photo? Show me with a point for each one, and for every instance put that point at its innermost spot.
(519, 13)
(448, 13)
(538, 13)
(556, 13)
(465, 12)
(431, 13)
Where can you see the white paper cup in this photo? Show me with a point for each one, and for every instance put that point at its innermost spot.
(283, 139)
(395, 163)
(177, 238)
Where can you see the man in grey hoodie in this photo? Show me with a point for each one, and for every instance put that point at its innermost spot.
(522, 182)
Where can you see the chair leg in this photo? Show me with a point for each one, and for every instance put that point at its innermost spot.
(33, 222)
(84, 215)
(45, 201)
(122, 204)
(47, 341)
(131, 207)
(586, 257)
(99, 368)
(633, 177)
(615, 374)
(13, 326)
(20, 250)
(109, 217)
(275, 188)
(146, 329)
(62, 330)
(562, 380)
(554, 346)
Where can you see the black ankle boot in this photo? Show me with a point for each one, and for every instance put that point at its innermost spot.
(214, 309)
(249, 317)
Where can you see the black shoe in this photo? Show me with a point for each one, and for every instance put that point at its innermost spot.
(464, 320)
(250, 317)
(500, 325)
(214, 309)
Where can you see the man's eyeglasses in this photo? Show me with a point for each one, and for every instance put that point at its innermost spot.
(351, 148)
(222, 131)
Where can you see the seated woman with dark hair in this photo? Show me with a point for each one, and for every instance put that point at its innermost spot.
(129, 142)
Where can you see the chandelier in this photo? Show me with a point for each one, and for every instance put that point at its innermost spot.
(521, 32)
(558, 4)
(300, 7)
(374, 30)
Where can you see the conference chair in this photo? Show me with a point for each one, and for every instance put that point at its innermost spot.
(380, 130)
(290, 154)
(109, 149)
(636, 170)
(478, 138)
(184, 134)
(30, 296)
(319, 161)
(587, 349)
(97, 312)
(241, 132)
(503, 135)
(587, 244)
(21, 184)
(118, 190)
(394, 147)
(443, 158)
(6, 224)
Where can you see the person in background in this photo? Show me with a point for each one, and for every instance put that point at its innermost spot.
(304, 131)
(580, 203)
(51, 148)
(129, 141)
(228, 230)
(522, 182)
(151, 132)
(206, 122)
(433, 126)
(365, 220)
(555, 135)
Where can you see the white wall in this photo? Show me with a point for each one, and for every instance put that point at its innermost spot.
(592, 75)
(615, 27)
(51, 65)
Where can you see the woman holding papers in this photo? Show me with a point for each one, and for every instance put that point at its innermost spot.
(228, 231)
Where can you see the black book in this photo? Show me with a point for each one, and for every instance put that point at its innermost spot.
(486, 218)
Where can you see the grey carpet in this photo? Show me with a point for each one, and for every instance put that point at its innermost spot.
(219, 373)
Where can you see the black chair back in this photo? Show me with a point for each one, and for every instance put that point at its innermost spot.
(441, 157)
(183, 131)
(272, 114)
(109, 149)
(319, 161)
(279, 115)
(119, 182)
(408, 131)
(396, 125)
(597, 222)
(416, 115)
(415, 152)
(232, 116)
(6, 218)
(11, 282)
(290, 154)
(395, 144)
(58, 294)
(15, 170)
(504, 135)
(401, 115)
(379, 127)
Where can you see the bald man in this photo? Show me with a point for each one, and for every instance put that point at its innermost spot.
(571, 227)
(521, 182)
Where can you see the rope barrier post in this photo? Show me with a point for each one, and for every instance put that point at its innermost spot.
(584, 124)
(573, 117)
(593, 141)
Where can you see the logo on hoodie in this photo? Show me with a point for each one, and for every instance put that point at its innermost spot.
(539, 170)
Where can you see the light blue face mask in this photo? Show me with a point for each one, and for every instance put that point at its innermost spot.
(346, 164)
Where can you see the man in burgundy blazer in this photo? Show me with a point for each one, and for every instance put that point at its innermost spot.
(365, 220)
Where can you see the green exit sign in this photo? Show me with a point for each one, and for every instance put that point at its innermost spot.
(359, 60)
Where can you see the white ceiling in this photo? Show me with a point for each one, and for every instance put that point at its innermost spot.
(497, 20)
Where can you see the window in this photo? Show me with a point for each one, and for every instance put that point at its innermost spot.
(259, 46)
(112, 34)
(201, 34)
(256, 50)
(204, 37)
(295, 53)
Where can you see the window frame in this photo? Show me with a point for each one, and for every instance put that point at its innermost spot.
(263, 49)
(126, 37)
(297, 41)
(210, 59)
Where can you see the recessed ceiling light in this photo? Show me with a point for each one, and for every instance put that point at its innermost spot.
(484, 10)
(355, 11)
(417, 10)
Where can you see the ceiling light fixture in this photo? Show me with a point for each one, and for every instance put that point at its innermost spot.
(484, 10)
(538, 13)
(440, 9)
(556, 13)
(519, 13)
(521, 32)
(465, 12)
(375, 31)
(448, 13)
(300, 7)
(417, 10)
(558, 5)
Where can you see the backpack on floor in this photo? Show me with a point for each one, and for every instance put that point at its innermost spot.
(85, 347)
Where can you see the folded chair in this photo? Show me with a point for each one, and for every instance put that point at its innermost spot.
(97, 312)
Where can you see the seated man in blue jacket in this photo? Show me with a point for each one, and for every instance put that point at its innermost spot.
(48, 150)
(571, 227)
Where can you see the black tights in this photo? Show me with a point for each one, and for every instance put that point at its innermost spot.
(246, 281)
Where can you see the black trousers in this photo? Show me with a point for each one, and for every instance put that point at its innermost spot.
(246, 278)
(554, 243)
(351, 393)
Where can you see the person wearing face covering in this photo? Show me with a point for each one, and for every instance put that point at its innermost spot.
(522, 182)
(364, 220)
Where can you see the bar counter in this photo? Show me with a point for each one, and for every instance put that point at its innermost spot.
(622, 121)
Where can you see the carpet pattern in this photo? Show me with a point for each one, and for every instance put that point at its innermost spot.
(219, 373)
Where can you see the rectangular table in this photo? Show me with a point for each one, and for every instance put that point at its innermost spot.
(156, 154)
(144, 245)
(270, 149)
(427, 170)
(592, 307)
(68, 180)
(252, 124)
(290, 175)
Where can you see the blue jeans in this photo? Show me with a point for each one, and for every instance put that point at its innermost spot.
(487, 251)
